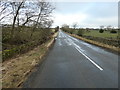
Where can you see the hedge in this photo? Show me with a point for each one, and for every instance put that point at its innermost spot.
(112, 42)
(18, 50)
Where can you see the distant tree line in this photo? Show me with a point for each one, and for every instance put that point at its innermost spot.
(80, 31)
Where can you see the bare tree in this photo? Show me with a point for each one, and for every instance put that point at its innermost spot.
(37, 14)
(47, 24)
(29, 13)
(4, 10)
(16, 6)
(109, 27)
(75, 25)
(101, 27)
(65, 26)
(44, 11)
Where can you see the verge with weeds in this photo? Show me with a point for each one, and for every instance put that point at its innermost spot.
(15, 71)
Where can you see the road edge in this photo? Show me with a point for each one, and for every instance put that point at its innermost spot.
(49, 45)
(102, 45)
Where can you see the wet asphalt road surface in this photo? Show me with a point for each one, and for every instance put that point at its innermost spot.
(73, 63)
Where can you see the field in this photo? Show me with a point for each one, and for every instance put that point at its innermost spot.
(106, 37)
(105, 34)
(92, 33)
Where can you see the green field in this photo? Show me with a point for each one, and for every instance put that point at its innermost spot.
(105, 34)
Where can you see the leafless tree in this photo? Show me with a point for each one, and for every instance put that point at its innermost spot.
(101, 27)
(44, 11)
(37, 14)
(65, 26)
(29, 13)
(48, 24)
(109, 27)
(75, 25)
(16, 7)
(4, 10)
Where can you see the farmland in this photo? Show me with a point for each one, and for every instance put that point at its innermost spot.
(105, 39)
(106, 34)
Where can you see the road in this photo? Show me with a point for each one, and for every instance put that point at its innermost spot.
(73, 63)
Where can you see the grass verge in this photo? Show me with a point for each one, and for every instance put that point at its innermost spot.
(108, 47)
(15, 71)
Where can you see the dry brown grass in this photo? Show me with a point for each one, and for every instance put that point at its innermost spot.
(15, 71)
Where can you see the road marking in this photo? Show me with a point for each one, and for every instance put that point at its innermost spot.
(89, 59)
(72, 38)
(78, 48)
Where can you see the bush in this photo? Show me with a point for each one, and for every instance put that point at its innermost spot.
(8, 53)
(113, 31)
(71, 31)
(66, 29)
(57, 28)
(101, 31)
(80, 32)
(17, 50)
(22, 42)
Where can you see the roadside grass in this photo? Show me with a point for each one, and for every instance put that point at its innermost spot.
(15, 71)
(105, 34)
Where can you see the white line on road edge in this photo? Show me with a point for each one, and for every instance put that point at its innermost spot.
(89, 59)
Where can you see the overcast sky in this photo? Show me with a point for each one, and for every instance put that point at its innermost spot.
(86, 14)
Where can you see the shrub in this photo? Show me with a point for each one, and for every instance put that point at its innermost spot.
(71, 31)
(57, 28)
(113, 31)
(22, 42)
(80, 32)
(101, 31)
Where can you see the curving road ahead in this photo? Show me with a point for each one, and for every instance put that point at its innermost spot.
(73, 63)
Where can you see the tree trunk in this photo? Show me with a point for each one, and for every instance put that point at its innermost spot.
(14, 20)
